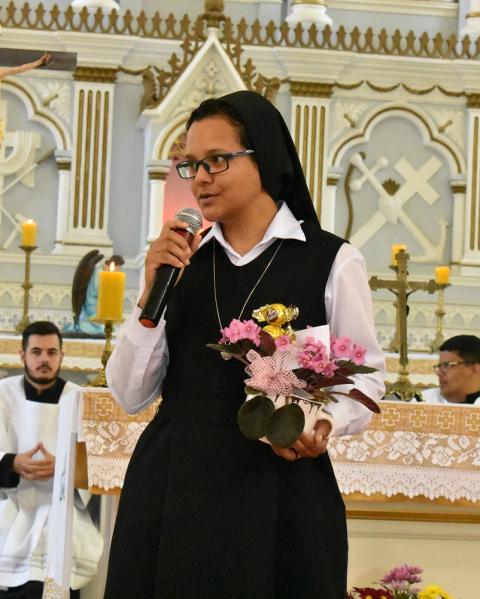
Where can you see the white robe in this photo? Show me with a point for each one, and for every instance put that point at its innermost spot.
(434, 396)
(24, 510)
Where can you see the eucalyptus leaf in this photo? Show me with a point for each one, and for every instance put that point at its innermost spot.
(253, 416)
(285, 425)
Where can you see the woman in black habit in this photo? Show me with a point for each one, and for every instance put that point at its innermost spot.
(206, 513)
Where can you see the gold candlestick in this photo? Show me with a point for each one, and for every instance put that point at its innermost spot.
(25, 321)
(101, 380)
(403, 388)
(439, 313)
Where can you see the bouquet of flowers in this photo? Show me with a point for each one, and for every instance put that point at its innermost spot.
(290, 374)
(398, 584)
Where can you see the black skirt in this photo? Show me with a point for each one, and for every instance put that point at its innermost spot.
(207, 514)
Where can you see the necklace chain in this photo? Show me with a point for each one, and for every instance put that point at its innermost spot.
(251, 291)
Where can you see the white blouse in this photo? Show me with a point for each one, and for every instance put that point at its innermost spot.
(137, 366)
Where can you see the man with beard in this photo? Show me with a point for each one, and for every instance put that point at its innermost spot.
(29, 408)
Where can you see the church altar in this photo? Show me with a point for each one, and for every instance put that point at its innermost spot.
(409, 449)
(410, 482)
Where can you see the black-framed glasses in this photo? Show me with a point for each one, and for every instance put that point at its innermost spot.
(216, 163)
(444, 366)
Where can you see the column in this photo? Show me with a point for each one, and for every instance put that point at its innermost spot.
(328, 205)
(458, 188)
(310, 111)
(471, 26)
(309, 12)
(87, 223)
(471, 255)
(157, 175)
(64, 164)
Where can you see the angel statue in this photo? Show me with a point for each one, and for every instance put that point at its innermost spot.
(85, 294)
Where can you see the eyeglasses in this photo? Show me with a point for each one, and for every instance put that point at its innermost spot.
(444, 366)
(216, 163)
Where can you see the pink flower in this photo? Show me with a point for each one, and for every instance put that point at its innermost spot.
(238, 330)
(282, 342)
(251, 331)
(341, 347)
(401, 575)
(313, 355)
(329, 369)
(233, 332)
(358, 354)
(270, 374)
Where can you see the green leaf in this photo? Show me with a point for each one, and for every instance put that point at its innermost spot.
(252, 391)
(234, 349)
(285, 425)
(253, 416)
(350, 367)
(216, 346)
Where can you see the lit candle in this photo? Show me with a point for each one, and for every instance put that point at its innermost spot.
(29, 233)
(111, 289)
(442, 275)
(395, 249)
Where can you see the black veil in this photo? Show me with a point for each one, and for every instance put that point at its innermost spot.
(279, 166)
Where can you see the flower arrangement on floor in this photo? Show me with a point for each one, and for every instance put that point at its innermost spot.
(398, 584)
(289, 373)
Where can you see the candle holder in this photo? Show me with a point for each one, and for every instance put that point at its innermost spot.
(25, 321)
(439, 313)
(101, 380)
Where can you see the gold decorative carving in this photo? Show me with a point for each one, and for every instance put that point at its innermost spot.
(350, 121)
(472, 15)
(36, 17)
(445, 126)
(332, 181)
(213, 14)
(407, 88)
(409, 515)
(95, 74)
(311, 89)
(158, 82)
(458, 187)
(473, 100)
(321, 159)
(64, 165)
(474, 191)
(96, 136)
(86, 157)
(391, 186)
(105, 150)
(78, 162)
(157, 176)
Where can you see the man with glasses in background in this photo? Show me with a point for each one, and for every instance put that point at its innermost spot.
(458, 372)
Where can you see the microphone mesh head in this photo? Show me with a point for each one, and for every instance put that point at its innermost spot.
(192, 217)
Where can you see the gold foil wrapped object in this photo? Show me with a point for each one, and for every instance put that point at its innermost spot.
(278, 318)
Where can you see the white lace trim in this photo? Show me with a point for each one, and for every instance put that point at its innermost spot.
(411, 482)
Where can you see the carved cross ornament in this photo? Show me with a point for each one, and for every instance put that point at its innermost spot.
(391, 199)
(17, 159)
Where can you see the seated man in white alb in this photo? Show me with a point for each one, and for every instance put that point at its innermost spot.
(458, 371)
(29, 410)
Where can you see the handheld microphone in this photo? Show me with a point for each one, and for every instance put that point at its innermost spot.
(166, 274)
